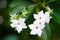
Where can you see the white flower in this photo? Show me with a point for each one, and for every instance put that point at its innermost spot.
(18, 24)
(36, 28)
(48, 17)
(40, 16)
(43, 17)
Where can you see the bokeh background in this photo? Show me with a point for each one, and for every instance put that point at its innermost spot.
(8, 33)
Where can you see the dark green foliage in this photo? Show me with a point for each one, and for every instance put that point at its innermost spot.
(16, 6)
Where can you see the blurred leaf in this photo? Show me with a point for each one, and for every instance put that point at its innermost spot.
(48, 31)
(37, 1)
(49, 1)
(56, 17)
(17, 10)
(10, 37)
(19, 3)
(46, 35)
(56, 11)
(30, 10)
(55, 23)
(17, 6)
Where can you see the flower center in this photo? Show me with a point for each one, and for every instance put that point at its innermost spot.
(36, 27)
(40, 18)
(18, 23)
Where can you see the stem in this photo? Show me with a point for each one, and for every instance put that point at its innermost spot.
(44, 7)
(42, 4)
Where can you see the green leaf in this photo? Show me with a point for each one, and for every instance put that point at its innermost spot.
(49, 1)
(14, 4)
(48, 31)
(11, 37)
(17, 6)
(16, 10)
(55, 23)
(56, 11)
(46, 35)
(56, 17)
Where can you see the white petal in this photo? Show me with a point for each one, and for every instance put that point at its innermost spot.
(13, 14)
(48, 8)
(40, 26)
(41, 13)
(33, 32)
(31, 26)
(19, 29)
(47, 17)
(14, 21)
(47, 13)
(39, 33)
(24, 25)
(36, 16)
(22, 20)
(13, 25)
(47, 21)
(42, 21)
(36, 22)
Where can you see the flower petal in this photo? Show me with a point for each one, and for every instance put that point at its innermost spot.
(22, 20)
(36, 16)
(41, 13)
(47, 13)
(39, 33)
(24, 25)
(13, 25)
(31, 26)
(33, 32)
(48, 8)
(19, 29)
(36, 22)
(14, 21)
(41, 26)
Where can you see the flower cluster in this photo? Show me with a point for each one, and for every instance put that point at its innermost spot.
(40, 19)
(36, 28)
(18, 24)
(39, 23)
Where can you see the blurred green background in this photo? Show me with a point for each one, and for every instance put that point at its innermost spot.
(52, 30)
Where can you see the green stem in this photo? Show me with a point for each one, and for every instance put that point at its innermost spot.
(42, 4)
